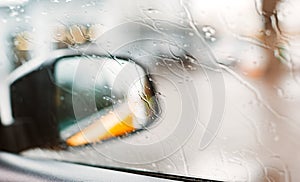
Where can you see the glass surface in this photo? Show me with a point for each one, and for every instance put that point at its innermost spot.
(105, 89)
(225, 75)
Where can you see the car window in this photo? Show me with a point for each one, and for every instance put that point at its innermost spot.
(206, 89)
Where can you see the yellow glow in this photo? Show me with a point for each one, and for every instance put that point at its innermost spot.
(118, 129)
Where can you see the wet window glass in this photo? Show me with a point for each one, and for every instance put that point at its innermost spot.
(196, 88)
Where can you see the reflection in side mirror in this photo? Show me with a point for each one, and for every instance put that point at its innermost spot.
(118, 90)
(86, 99)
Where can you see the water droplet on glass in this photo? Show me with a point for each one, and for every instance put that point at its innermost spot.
(268, 32)
(209, 33)
(280, 92)
(150, 10)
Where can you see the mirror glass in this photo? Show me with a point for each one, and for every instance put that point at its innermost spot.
(89, 98)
